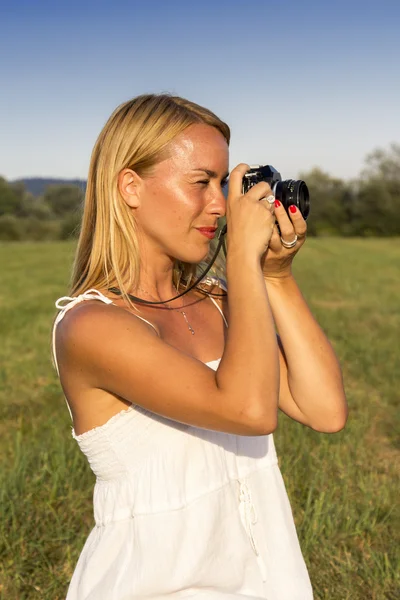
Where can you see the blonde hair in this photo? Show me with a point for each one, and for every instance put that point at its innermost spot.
(135, 137)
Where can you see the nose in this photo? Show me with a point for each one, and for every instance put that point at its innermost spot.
(217, 204)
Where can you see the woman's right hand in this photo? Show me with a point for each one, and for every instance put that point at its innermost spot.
(250, 220)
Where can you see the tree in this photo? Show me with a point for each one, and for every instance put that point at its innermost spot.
(70, 226)
(331, 202)
(379, 193)
(63, 199)
(9, 199)
(11, 228)
(383, 165)
(28, 205)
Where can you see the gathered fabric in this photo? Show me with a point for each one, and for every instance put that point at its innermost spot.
(182, 511)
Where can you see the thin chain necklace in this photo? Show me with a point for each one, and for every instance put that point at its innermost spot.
(167, 307)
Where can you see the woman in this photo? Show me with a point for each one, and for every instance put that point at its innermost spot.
(175, 404)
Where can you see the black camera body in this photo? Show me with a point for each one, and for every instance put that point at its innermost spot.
(289, 191)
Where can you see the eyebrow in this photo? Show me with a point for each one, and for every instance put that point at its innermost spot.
(212, 174)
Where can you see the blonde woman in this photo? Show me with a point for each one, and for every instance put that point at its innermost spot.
(175, 404)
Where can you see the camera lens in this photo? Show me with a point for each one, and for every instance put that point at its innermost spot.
(291, 191)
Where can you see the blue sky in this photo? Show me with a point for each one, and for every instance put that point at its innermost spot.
(301, 84)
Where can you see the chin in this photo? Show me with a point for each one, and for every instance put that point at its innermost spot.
(195, 257)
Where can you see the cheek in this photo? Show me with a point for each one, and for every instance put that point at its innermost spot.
(157, 217)
(172, 208)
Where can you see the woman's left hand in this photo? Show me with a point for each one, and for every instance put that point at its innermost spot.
(277, 260)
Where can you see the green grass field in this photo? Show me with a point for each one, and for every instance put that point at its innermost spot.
(343, 487)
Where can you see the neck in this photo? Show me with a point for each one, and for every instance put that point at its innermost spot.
(155, 294)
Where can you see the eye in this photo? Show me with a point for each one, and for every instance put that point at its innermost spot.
(224, 183)
(204, 181)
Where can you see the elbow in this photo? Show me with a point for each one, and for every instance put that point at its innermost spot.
(262, 422)
(334, 424)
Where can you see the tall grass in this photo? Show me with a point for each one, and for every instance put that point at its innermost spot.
(343, 487)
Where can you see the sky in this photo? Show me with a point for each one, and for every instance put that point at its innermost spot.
(301, 84)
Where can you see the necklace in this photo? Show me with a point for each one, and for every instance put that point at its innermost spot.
(168, 308)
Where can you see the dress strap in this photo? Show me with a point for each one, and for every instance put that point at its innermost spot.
(222, 285)
(64, 304)
(219, 308)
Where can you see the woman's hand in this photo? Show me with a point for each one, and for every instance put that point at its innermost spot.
(276, 262)
(250, 217)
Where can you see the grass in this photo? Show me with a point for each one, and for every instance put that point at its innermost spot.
(343, 487)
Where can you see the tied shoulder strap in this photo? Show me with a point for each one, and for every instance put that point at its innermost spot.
(64, 304)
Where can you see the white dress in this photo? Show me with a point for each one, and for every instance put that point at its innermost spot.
(184, 512)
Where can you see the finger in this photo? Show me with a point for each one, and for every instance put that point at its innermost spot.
(236, 178)
(285, 224)
(270, 208)
(299, 224)
(275, 241)
(259, 191)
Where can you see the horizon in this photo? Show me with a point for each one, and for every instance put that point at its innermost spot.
(301, 85)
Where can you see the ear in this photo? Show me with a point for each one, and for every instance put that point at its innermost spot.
(130, 185)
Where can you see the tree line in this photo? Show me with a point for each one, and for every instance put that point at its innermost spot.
(366, 206)
(53, 216)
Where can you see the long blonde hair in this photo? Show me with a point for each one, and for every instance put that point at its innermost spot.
(134, 137)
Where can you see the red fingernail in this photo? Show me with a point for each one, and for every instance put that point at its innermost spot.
(292, 208)
(277, 203)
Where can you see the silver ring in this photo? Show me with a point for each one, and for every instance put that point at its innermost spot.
(270, 199)
(289, 244)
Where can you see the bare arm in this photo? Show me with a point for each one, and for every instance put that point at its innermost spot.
(250, 362)
(102, 347)
(311, 380)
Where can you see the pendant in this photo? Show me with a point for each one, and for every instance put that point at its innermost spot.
(188, 324)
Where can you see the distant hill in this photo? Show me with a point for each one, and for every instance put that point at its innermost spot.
(37, 185)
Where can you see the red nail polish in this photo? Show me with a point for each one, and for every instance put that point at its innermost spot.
(292, 208)
(277, 203)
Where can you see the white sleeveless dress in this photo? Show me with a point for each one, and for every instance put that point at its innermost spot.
(184, 512)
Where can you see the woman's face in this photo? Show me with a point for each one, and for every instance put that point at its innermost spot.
(184, 193)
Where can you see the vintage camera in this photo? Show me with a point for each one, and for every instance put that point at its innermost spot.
(289, 191)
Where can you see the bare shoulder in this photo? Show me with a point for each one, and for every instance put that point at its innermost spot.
(92, 325)
(104, 347)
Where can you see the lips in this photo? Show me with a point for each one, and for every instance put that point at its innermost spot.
(207, 231)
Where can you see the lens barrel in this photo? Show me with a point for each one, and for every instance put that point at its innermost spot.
(291, 191)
